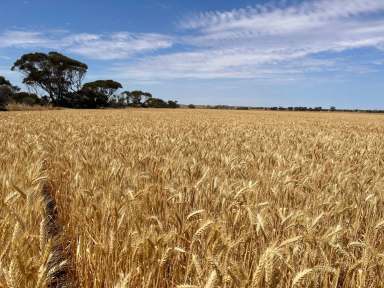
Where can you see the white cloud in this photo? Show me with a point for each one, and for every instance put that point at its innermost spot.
(275, 40)
(308, 28)
(22, 39)
(221, 64)
(267, 41)
(277, 18)
(119, 45)
(115, 46)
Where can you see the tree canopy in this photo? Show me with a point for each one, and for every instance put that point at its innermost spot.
(137, 96)
(54, 73)
(106, 87)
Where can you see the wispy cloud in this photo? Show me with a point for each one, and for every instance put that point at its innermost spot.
(265, 40)
(118, 45)
(275, 40)
(22, 39)
(278, 17)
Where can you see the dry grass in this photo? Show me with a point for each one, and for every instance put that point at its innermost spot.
(24, 107)
(191, 198)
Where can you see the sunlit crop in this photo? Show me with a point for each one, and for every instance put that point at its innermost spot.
(191, 198)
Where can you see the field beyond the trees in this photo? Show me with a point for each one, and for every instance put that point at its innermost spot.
(191, 198)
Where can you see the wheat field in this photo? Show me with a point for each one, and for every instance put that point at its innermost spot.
(191, 198)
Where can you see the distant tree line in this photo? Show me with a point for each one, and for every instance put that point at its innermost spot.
(57, 80)
(280, 108)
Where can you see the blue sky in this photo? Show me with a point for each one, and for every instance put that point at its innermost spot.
(257, 53)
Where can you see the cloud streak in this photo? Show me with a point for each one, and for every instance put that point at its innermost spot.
(276, 40)
(267, 41)
(278, 18)
(118, 45)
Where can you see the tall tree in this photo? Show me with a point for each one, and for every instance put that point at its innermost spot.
(54, 73)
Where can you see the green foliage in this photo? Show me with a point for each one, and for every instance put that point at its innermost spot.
(4, 81)
(5, 96)
(156, 103)
(7, 91)
(138, 98)
(106, 87)
(86, 98)
(173, 104)
(26, 98)
(160, 103)
(95, 94)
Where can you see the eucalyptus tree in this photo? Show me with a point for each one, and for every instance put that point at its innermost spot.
(56, 74)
